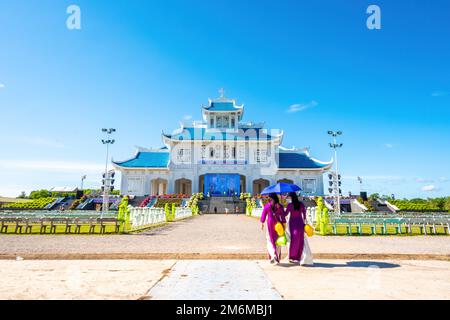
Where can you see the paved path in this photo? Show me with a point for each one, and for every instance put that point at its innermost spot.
(79, 280)
(208, 237)
(203, 279)
(360, 280)
(215, 280)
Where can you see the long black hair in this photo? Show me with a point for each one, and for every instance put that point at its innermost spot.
(275, 201)
(297, 204)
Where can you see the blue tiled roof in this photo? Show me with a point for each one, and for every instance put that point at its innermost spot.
(222, 106)
(147, 160)
(289, 160)
(161, 160)
(203, 134)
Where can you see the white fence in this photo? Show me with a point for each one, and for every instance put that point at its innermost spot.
(181, 213)
(141, 218)
(257, 212)
(311, 215)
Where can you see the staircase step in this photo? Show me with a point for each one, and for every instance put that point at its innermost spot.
(222, 205)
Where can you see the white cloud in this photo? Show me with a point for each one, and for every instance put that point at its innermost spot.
(51, 166)
(2, 85)
(187, 117)
(439, 93)
(389, 145)
(429, 188)
(422, 180)
(301, 106)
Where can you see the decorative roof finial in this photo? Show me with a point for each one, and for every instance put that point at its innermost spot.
(222, 92)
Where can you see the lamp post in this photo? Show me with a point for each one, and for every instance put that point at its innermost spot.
(82, 181)
(335, 146)
(360, 184)
(106, 184)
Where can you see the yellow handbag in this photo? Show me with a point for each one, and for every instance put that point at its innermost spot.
(309, 230)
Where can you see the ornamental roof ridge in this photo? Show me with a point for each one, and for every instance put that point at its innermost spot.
(144, 149)
(327, 163)
(211, 103)
(306, 151)
(295, 150)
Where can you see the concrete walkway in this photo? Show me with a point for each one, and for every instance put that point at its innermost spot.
(206, 279)
(212, 237)
(361, 280)
(215, 280)
(186, 260)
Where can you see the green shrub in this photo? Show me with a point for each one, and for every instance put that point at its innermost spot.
(38, 194)
(35, 204)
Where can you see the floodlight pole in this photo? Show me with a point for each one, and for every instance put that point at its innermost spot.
(107, 184)
(82, 181)
(335, 146)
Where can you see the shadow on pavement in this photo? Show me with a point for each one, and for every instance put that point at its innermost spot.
(349, 264)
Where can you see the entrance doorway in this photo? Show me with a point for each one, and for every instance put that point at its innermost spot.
(259, 185)
(183, 186)
(222, 185)
(159, 187)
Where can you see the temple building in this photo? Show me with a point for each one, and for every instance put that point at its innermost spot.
(220, 156)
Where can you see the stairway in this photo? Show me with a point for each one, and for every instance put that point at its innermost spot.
(223, 205)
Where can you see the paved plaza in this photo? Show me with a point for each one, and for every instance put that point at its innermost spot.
(223, 279)
(220, 257)
(213, 237)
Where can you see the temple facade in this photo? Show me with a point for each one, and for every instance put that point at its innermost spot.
(221, 155)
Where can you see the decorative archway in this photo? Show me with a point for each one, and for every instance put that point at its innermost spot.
(183, 186)
(158, 187)
(259, 185)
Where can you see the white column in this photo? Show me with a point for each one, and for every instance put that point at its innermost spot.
(249, 183)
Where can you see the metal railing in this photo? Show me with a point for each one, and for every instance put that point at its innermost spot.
(405, 225)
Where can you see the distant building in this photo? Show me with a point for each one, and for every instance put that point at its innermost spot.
(220, 156)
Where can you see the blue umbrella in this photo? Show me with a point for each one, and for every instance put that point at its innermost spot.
(280, 188)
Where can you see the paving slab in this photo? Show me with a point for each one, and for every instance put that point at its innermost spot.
(214, 280)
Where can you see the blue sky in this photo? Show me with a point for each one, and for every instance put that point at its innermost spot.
(141, 67)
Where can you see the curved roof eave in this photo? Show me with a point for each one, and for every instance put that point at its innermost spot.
(118, 166)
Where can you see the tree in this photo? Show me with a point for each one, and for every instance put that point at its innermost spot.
(369, 206)
(447, 204)
(418, 200)
(438, 203)
(374, 196)
(39, 194)
(22, 195)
